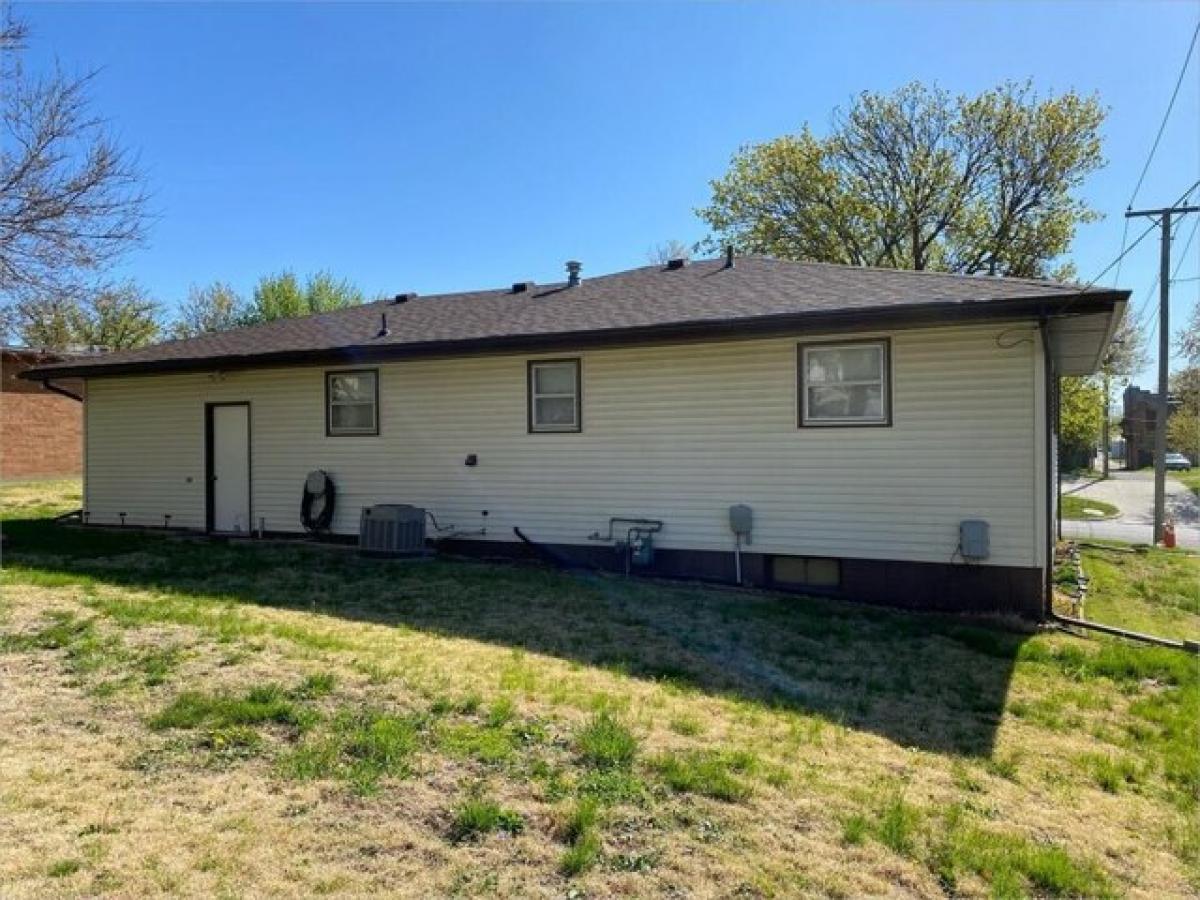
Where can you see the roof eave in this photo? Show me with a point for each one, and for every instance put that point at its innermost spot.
(842, 320)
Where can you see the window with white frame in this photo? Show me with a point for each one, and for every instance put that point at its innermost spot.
(352, 402)
(554, 398)
(845, 383)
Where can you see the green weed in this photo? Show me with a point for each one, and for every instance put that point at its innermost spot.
(1012, 865)
(477, 816)
(63, 868)
(258, 706)
(707, 772)
(360, 747)
(606, 743)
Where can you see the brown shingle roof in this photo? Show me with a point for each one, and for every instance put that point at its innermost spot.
(653, 303)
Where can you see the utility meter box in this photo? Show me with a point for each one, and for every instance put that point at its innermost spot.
(741, 521)
(973, 541)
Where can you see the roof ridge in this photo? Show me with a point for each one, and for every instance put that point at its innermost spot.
(973, 276)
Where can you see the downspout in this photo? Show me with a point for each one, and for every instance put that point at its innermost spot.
(55, 389)
(1051, 474)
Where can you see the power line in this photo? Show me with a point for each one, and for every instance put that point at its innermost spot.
(1167, 115)
(1145, 305)
(1154, 147)
(1178, 265)
(1072, 298)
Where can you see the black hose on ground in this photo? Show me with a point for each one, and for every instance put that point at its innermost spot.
(543, 552)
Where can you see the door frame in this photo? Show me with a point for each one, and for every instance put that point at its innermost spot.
(208, 462)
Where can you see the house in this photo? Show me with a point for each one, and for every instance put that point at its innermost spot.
(1137, 427)
(41, 429)
(891, 432)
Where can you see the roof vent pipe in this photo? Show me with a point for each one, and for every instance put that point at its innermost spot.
(383, 329)
(677, 263)
(403, 298)
(573, 269)
(521, 287)
(729, 256)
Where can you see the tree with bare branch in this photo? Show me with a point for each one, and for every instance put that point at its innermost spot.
(71, 200)
(661, 254)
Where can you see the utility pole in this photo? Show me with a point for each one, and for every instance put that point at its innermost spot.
(1104, 438)
(1164, 356)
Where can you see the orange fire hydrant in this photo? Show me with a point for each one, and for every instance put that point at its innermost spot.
(1169, 534)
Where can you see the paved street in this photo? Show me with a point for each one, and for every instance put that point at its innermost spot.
(1133, 494)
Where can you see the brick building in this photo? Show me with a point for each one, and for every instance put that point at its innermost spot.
(1137, 427)
(41, 432)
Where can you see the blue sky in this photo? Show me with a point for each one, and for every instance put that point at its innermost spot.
(443, 147)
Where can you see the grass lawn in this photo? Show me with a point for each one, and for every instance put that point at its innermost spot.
(1074, 507)
(1148, 589)
(186, 717)
(1191, 478)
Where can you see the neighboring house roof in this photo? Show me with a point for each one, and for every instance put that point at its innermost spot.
(15, 361)
(705, 299)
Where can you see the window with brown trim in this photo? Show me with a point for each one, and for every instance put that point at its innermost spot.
(554, 396)
(352, 403)
(845, 383)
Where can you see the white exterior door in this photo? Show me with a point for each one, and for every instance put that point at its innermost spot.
(230, 468)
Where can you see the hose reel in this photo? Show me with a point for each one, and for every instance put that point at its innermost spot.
(316, 507)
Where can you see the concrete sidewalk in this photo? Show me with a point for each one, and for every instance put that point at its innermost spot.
(1133, 494)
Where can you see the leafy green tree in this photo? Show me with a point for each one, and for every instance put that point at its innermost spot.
(919, 179)
(216, 307)
(1183, 427)
(116, 317)
(281, 296)
(1188, 340)
(1080, 420)
(324, 293)
(1125, 357)
(45, 323)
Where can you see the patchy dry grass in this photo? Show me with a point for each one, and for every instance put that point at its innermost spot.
(30, 499)
(182, 717)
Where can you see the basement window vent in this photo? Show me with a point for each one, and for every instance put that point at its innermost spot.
(806, 571)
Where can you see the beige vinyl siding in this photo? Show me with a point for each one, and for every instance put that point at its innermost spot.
(672, 432)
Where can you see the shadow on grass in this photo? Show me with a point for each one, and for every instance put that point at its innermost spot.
(925, 681)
